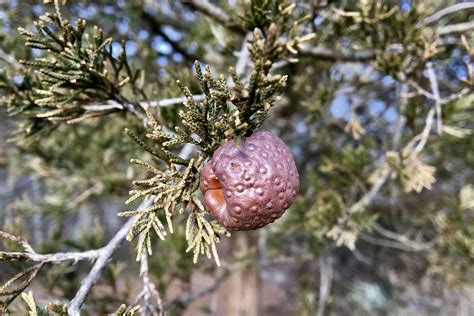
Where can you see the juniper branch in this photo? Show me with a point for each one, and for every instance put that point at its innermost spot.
(405, 245)
(50, 258)
(107, 252)
(417, 245)
(449, 10)
(326, 271)
(420, 139)
(149, 290)
(434, 87)
(323, 53)
(73, 74)
(216, 13)
(225, 112)
(456, 28)
(188, 299)
(157, 28)
(111, 104)
(28, 275)
(102, 260)
(11, 60)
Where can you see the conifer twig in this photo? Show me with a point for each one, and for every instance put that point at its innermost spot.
(52, 257)
(437, 99)
(108, 251)
(335, 55)
(449, 10)
(420, 140)
(244, 57)
(216, 13)
(103, 255)
(408, 245)
(188, 299)
(102, 260)
(156, 27)
(326, 272)
(149, 290)
(132, 108)
(421, 91)
(11, 60)
(111, 104)
(456, 28)
(403, 239)
(368, 197)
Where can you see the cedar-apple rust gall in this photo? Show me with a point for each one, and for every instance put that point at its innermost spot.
(249, 184)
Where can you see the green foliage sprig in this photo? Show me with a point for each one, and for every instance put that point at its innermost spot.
(225, 113)
(77, 68)
(126, 311)
(453, 256)
(59, 309)
(404, 45)
(24, 278)
(278, 20)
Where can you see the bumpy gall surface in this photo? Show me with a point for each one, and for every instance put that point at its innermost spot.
(249, 186)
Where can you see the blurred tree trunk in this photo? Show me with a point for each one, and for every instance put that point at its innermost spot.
(239, 295)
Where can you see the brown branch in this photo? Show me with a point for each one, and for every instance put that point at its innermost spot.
(103, 255)
(130, 107)
(102, 260)
(173, 18)
(172, 101)
(323, 53)
(216, 13)
(157, 28)
(448, 10)
(224, 19)
(437, 99)
(456, 28)
(401, 243)
(415, 245)
(161, 103)
(188, 299)
(326, 271)
(29, 274)
(244, 57)
(11, 60)
(307, 50)
(21, 241)
(149, 290)
(50, 258)
(108, 251)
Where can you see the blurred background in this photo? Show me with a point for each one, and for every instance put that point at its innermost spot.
(378, 112)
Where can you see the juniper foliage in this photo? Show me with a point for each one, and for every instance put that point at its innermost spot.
(374, 99)
(225, 113)
(79, 69)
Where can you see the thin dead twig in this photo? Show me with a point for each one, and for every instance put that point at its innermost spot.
(449, 10)
(436, 97)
